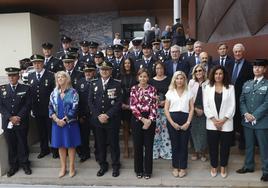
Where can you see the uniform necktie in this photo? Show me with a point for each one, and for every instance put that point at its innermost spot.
(104, 86)
(13, 88)
(69, 72)
(136, 54)
(46, 60)
(235, 72)
(38, 76)
(222, 60)
(255, 83)
(146, 61)
(166, 53)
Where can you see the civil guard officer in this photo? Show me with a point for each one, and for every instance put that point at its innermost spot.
(51, 63)
(41, 85)
(83, 111)
(105, 104)
(254, 108)
(66, 43)
(118, 60)
(84, 56)
(68, 62)
(15, 105)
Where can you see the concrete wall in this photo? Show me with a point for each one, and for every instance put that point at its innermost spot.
(15, 39)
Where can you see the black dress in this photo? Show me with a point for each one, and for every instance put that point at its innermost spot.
(127, 81)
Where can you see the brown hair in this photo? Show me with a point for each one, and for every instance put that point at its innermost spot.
(226, 79)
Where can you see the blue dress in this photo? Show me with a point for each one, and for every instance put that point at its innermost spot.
(67, 136)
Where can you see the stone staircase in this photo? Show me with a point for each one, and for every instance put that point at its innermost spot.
(45, 172)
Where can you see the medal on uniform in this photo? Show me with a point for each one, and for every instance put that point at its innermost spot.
(52, 66)
(46, 82)
(75, 81)
(32, 81)
(4, 93)
(112, 102)
(96, 88)
(82, 86)
(87, 59)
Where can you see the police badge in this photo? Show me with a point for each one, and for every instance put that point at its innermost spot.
(46, 82)
(82, 86)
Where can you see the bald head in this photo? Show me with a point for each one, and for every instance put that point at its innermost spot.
(203, 57)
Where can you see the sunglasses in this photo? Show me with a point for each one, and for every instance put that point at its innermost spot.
(199, 70)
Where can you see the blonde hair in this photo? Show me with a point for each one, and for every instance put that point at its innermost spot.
(68, 79)
(173, 85)
(193, 71)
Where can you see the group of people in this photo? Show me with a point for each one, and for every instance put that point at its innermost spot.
(160, 96)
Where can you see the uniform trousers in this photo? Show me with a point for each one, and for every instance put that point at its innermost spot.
(108, 135)
(44, 129)
(219, 140)
(143, 141)
(84, 132)
(262, 138)
(18, 152)
(179, 140)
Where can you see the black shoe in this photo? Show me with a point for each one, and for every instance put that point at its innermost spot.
(42, 154)
(244, 170)
(55, 155)
(147, 176)
(139, 175)
(115, 173)
(27, 170)
(102, 171)
(83, 158)
(264, 177)
(12, 171)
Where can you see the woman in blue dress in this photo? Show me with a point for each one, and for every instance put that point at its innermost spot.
(65, 130)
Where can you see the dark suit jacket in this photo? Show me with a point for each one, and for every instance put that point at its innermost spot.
(149, 66)
(15, 104)
(228, 64)
(134, 58)
(181, 66)
(54, 65)
(75, 77)
(162, 56)
(40, 92)
(106, 101)
(116, 68)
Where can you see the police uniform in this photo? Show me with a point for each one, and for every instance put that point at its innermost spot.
(146, 63)
(92, 45)
(64, 39)
(136, 55)
(41, 84)
(51, 63)
(117, 62)
(85, 57)
(186, 55)
(106, 99)
(164, 54)
(254, 100)
(78, 65)
(109, 58)
(15, 101)
(74, 74)
(84, 115)
(125, 43)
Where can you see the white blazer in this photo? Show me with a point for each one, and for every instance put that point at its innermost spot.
(227, 108)
(193, 86)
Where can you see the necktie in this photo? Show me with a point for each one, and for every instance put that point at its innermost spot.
(46, 60)
(13, 88)
(146, 61)
(166, 53)
(197, 60)
(104, 86)
(69, 72)
(38, 76)
(255, 83)
(222, 61)
(136, 54)
(235, 72)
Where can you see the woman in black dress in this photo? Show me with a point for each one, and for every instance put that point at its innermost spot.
(128, 79)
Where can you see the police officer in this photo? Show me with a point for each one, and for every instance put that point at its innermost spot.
(164, 54)
(78, 65)
(118, 60)
(190, 49)
(66, 43)
(68, 63)
(136, 54)
(84, 56)
(93, 48)
(42, 84)
(109, 53)
(254, 107)
(147, 61)
(98, 59)
(15, 105)
(83, 111)
(105, 104)
(156, 47)
(125, 44)
(51, 63)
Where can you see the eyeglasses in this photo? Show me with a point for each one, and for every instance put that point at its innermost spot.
(199, 70)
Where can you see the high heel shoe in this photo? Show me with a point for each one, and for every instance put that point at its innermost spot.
(224, 172)
(213, 172)
(62, 173)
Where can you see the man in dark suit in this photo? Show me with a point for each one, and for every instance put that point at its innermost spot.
(194, 59)
(136, 54)
(204, 60)
(190, 49)
(105, 105)
(175, 64)
(15, 105)
(118, 60)
(68, 62)
(84, 56)
(224, 59)
(164, 54)
(147, 61)
(66, 43)
(241, 72)
(83, 111)
(42, 84)
(51, 63)
(254, 107)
